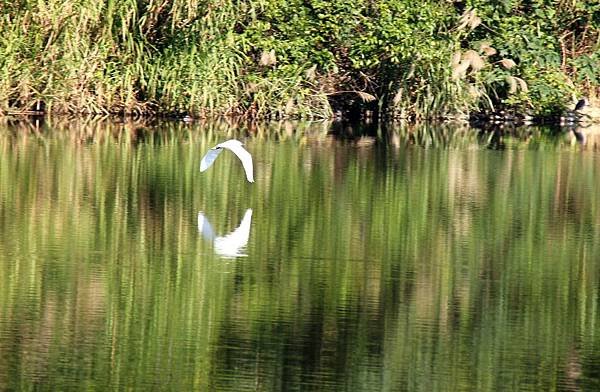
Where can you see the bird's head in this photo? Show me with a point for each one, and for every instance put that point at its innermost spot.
(581, 104)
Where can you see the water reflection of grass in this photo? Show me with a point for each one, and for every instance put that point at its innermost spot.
(427, 135)
(437, 267)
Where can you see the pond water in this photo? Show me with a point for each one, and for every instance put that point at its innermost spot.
(424, 258)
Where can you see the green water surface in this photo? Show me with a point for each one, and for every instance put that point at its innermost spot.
(406, 260)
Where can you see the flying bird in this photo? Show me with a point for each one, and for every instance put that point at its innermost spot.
(236, 147)
(230, 245)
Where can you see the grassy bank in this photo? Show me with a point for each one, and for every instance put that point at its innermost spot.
(275, 58)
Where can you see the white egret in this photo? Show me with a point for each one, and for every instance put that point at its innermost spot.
(232, 244)
(236, 147)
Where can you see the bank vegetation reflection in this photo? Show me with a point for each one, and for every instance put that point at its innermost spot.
(374, 265)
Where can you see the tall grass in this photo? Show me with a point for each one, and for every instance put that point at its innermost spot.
(139, 57)
(272, 58)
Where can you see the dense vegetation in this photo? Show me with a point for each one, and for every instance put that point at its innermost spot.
(297, 58)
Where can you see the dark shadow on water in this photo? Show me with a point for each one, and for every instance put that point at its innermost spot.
(86, 130)
(453, 135)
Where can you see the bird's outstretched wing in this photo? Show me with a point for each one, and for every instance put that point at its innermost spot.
(236, 147)
(209, 158)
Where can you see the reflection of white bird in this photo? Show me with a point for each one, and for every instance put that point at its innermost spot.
(235, 146)
(232, 244)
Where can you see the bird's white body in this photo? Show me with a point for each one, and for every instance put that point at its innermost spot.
(236, 147)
